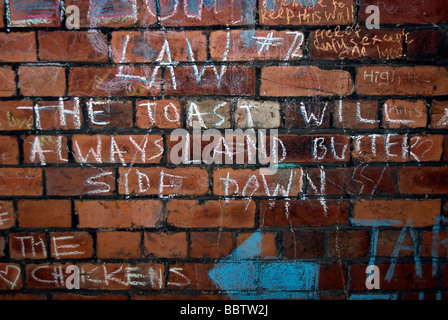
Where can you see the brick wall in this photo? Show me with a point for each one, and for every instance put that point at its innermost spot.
(88, 175)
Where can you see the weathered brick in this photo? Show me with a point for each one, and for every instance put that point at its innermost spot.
(409, 12)
(163, 181)
(16, 115)
(313, 213)
(79, 46)
(118, 244)
(345, 244)
(397, 212)
(34, 13)
(302, 114)
(108, 114)
(117, 148)
(357, 44)
(71, 245)
(325, 12)
(113, 81)
(119, 213)
(426, 44)
(249, 45)
(303, 244)
(289, 81)
(7, 82)
(439, 115)
(210, 79)
(210, 214)
(404, 114)
(251, 113)
(7, 215)
(362, 114)
(18, 47)
(28, 246)
(20, 182)
(54, 115)
(212, 245)
(151, 46)
(388, 80)
(45, 149)
(165, 244)
(80, 181)
(190, 275)
(44, 213)
(423, 180)
(46, 81)
(210, 113)
(9, 150)
(11, 276)
(268, 244)
(164, 114)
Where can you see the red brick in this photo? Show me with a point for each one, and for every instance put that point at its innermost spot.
(268, 244)
(246, 45)
(423, 180)
(223, 13)
(46, 81)
(11, 278)
(404, 114)
(404, 277)
(71, 245)
(148, 46)
(82, 181)
(397, 148)
(332, 277)
(34, 13)
(247, 182)
(7, 82)
(18, 47)
(113, 82)
(117, 148)
(210, 113)
(325, 12)
(353, 181)
(362, 114)
(119, 213)
(426, 44)
(264, 114)
(2, 13)
(314, 114)
(387, 80)
(45, 149)
(62, 114)
(190, 276)
(20, 181)
(118, 244)
(122, 276)
(235, 80)
(13, 117)
(28, 246)
(165, 244)
(44, 213)
(210, 214)
(434, 243)
(118, 14)
(439, 115)
(295, 213)
(279, 81)
(46, 276)
(79, 46)
(357, 44)
(303, 244)
(212, 245)
(388, 241)
(398, 212)
(344, 244)
(163, 181)
(9, 150)
(107, 114)
(164, 114)
(315, 148)
(406, 12)
(176, 296)
(7, 215)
